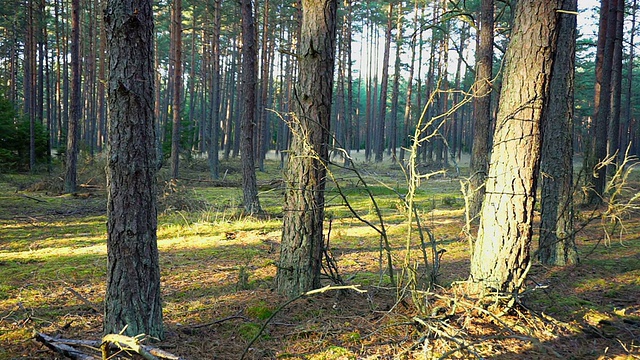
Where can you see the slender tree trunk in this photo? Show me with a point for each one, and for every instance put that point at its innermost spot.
(404, 134)
(73, 132)
(249, 75)
(350, 108)
(482, 110)
(132, 299)
(261, 129)
(629, 130)
(602, 103)
(384, 82)
(393, 123)
(214, 163)
(176, 34)
(557, 243)
(501, 256)
(302, 236)
(613, 145)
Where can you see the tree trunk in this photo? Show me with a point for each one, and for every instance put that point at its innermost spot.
(214, 163)
(176, 35)
(482, 110)
(404, 134)
(628, 134)
(249, 74)
(261, 129)
(602, 102)
(133, 273)
(73, 132)
(384, 83)
(500, 259)
(616, 89)
(302, 237)
(557, 241)
(393, 123)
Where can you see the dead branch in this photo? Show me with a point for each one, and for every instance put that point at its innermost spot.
(31, 198)
(311, 292)
(122, 342)
(84, 300)
(236, 316)
(61, 348)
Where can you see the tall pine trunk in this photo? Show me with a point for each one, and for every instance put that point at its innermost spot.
(249, 75)
(501, 255)
(302, 236)
(132, 298)
(557, 241)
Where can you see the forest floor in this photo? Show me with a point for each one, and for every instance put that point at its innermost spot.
(218, 267)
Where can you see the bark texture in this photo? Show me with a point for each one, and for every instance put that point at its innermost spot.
(557, 242)
(73, 130)
(249, 74)
(501, 254)
(302, 237)
(482, 109)
(133, 273)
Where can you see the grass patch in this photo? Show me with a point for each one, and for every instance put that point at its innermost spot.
(218, 265)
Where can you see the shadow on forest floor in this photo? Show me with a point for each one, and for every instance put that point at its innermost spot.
(217, 279)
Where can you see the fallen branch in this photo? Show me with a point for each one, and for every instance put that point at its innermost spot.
(31, 198)
(61, 348)
(84, 300)
(122, 342)
(127, 343)
(237, 316)
(311, 292)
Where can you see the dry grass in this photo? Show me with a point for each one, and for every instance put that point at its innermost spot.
(219, 265)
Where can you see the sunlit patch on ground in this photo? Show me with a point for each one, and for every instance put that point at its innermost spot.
(218, 267)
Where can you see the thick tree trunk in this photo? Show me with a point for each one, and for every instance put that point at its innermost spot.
(133, 273)
(302, 237)
(557, 241)
(482, 110)
(500, 259)
(249, 75)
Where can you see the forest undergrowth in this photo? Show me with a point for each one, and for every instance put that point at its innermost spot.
(218, 267)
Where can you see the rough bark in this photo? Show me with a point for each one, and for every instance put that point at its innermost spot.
(482, 110)
(302, 237)
(557, 242)
(249, 75)
(501, 255)
(133, 273)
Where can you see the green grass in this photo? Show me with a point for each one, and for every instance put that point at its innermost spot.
(216, 261)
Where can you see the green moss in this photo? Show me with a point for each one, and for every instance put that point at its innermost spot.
(260, 311)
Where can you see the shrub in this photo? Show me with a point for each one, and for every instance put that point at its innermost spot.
(14, 138)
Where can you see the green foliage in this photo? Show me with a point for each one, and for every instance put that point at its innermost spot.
(260, 311)
(14, 138)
